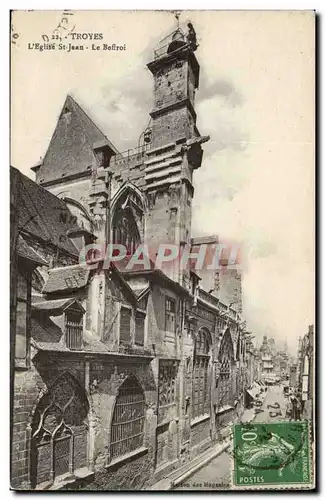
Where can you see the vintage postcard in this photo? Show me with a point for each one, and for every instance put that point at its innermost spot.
(162, 250)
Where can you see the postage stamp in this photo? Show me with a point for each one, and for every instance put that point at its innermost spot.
(272, 454)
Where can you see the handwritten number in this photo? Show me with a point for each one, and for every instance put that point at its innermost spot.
(14, 36)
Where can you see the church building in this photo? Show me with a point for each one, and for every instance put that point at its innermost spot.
(119, 376)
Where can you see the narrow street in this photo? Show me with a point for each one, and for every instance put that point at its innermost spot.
(216, 474)
(213, 476)
(274, 395)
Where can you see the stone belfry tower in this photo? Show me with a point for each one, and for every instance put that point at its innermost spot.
(175, 150)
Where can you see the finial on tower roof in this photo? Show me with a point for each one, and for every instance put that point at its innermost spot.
(177, 14)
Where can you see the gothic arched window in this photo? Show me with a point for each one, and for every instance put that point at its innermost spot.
(226, 358)
(127, 220)
(201, 393)
(128, 419)
(59, 432)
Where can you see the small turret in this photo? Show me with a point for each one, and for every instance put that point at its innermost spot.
(177, 41)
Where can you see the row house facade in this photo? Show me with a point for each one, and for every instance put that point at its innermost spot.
(118, 375)
(274, 362)
(305, 372)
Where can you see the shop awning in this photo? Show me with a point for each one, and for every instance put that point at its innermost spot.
(253, 392)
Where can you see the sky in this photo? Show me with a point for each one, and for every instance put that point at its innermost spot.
(255, 100)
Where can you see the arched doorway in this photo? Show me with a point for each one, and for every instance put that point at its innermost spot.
(59, 432)
(127, 429)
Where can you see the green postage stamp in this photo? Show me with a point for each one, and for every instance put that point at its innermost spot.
(271, 455)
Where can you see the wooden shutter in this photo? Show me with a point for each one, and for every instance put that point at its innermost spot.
(125, 324)
(139, 328)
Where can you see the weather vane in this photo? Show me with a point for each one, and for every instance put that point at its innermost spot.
(177, 14)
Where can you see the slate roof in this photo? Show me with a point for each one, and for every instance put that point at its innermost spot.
(71, 149)
(44, 330)
(27, 252)
(67, 278)
(119, 278)
(95, 347)
(55, 307)
(41, 214)
(199, 240)
(139, 291)
(93, 132)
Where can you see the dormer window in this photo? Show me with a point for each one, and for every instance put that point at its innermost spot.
(73, 329)
(67, 317)
(140, 317)
(170, 311)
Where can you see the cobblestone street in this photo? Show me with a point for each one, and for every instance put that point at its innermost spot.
(216, 474)
(274, 395)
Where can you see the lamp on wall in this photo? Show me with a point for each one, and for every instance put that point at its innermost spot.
(147, 135)
(144, 138)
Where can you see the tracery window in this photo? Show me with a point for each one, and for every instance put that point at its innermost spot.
(59, 432)
(201, 393)
(128, 215)
(125, 324)
(128, 419)
(224, 383)
(220, 324)
(167, 382)
(170, 312)
(125, 231)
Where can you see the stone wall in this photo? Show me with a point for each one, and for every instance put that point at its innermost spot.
(29, 387)
(104, 379)
(172, 126)
(77, 190)
(129, 167)
(230, 287)
(200, 433)
(166, 344)
(26, 390)
(133, 474)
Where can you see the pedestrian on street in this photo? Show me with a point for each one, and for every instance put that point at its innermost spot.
(299, 405)
(294, 407)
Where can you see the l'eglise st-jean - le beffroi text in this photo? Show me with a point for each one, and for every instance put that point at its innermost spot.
(81, 41)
